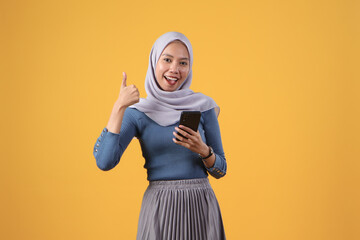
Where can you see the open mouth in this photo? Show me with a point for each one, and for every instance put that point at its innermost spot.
(171, 80)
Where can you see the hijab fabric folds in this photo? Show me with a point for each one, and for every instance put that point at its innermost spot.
(165, 107)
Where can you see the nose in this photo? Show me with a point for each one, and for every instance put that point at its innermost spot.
(174, 67)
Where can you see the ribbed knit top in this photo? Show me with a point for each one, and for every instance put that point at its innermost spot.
(164, 160)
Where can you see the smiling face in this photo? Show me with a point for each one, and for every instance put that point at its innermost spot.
(173, 66)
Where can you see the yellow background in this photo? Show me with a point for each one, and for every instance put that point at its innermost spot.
(283, 72)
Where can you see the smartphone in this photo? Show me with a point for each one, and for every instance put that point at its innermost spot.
(190, 119)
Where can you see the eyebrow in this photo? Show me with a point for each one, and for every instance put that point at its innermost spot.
(165, 54)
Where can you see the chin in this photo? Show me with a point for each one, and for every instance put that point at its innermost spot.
(170, 88)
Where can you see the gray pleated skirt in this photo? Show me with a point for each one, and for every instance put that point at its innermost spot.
(180, 210)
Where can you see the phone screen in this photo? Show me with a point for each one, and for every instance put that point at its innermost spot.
(190, 119)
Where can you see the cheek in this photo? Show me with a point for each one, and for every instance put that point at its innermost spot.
(160, 69)
(158, 72)
(185, 72)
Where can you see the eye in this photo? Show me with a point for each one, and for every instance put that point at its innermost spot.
(167, 60)
(183, 63)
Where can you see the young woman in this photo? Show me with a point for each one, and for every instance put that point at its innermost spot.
(179, 202)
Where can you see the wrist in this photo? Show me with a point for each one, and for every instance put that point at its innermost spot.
(207, 155)
(118, 106)
(204, 151)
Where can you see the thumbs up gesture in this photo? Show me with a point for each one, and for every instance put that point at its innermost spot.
(128, 95)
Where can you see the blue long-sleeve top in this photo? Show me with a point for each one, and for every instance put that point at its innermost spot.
(164, 160)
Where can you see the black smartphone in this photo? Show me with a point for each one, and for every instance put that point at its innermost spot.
(190, 119)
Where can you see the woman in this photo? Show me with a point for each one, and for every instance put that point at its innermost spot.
(179, 202)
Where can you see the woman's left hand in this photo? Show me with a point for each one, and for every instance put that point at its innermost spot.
(191, 140)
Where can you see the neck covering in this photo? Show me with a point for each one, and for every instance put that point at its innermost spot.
(165, 107)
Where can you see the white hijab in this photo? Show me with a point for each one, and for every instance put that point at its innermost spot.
(165, 107)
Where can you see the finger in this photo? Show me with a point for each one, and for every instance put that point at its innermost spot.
(179, 137)
(177, 141)
(183, 133)
(181, 143)
(187, 129)
(136, 92)
(123, 83)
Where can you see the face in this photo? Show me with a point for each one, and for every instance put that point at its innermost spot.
(173, 66)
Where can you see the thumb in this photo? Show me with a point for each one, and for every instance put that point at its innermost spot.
(123, 84)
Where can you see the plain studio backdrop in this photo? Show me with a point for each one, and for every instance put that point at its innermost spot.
(283, 72)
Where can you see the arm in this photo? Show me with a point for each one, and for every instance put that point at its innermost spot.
(215, 164)
(110, 146)
(213, 139)
(119, 131)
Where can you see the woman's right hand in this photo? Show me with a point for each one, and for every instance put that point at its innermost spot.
(128, 95)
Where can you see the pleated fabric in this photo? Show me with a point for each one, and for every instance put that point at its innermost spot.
(180, 210)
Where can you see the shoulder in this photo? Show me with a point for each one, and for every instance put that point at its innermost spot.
(211, 113)
(133, 115)
(210, 116)
(132, 111)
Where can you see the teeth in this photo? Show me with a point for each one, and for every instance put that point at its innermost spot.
(172, 79)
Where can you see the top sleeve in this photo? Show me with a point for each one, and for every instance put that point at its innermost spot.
(110, 146)
(213, 139)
